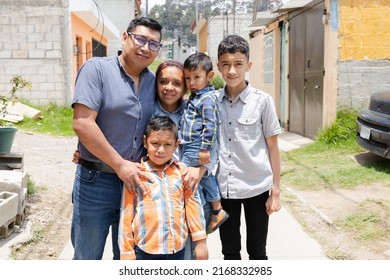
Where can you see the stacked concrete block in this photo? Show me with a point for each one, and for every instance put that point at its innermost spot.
(16, 182)
(8, 208)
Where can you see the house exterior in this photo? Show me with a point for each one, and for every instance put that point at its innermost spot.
(47, 41)
(315, 57)
(212, 30)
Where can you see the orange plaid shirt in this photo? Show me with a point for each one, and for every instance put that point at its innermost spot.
(159, 222)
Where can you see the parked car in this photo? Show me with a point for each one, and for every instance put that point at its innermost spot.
(373, 125)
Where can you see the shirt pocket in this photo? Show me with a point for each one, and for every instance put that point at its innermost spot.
(176, 185)
(155, 191)
(149, 200)
(248, 128)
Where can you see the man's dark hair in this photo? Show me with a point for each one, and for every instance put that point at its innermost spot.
(144, 21)
(233, 44)
(197, 60)
(161, 123)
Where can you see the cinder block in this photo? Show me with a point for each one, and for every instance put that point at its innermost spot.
(21, 207)
(7, 228)
(8, 207)
(16, 177)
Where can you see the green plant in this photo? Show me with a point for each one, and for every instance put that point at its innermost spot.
(217, 82)
(330, 161)
(17, 84)
(341, 132)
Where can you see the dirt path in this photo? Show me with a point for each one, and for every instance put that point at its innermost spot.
(48, 162)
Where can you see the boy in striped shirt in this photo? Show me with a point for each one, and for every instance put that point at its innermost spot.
(156, 226)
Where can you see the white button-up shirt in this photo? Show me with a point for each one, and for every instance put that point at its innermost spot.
(244, 169)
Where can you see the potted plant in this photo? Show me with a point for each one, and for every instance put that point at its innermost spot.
(7, 129)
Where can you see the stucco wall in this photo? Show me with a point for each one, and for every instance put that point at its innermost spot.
(34, 43)
(364, 50)
(364, 29)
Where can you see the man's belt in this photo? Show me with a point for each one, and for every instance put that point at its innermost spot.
(96, 166)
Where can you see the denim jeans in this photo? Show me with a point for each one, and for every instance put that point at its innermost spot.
(190, 245)
(208, 184)
(96, 202)
(141, 255)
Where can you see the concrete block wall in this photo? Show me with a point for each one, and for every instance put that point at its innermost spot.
(219, 24)
(35, 43)
(8, 207)
(359, 79)
(364, 51)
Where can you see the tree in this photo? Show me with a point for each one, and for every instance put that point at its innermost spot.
(176, 16)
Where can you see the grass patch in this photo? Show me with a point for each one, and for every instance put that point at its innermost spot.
(57, 120)
(330, 161)
(370, 222)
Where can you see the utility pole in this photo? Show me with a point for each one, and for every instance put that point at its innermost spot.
(254, 16)
(197, 26)
(234, 17)
(147, 8)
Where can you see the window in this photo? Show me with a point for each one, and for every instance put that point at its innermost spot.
(98, 48)
(268, 59)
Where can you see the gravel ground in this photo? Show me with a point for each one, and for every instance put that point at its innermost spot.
(48, 161)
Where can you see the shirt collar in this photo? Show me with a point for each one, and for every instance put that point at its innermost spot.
(146, 70)
(243, 95)
(160, 109)
(144, 162)
(204, 90)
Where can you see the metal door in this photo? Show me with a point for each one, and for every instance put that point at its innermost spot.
(306, 71)
(296, 75)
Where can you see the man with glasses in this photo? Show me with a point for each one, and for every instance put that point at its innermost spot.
(113, 102)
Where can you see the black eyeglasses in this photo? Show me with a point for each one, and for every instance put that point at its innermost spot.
(140, 41)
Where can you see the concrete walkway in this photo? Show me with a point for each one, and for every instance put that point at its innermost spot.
(286, 238)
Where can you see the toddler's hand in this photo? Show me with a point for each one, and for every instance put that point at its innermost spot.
(204, 157)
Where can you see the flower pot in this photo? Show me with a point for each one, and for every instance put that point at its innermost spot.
(7, 135)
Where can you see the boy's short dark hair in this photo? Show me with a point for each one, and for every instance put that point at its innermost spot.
(161, 123)
(233, 44)
(197, 60)
(144, 21)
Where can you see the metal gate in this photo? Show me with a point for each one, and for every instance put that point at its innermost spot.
(306, 71)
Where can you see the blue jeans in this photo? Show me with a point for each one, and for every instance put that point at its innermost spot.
(96, 202)
(141, 255)
(190, 245)
(208, 184)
